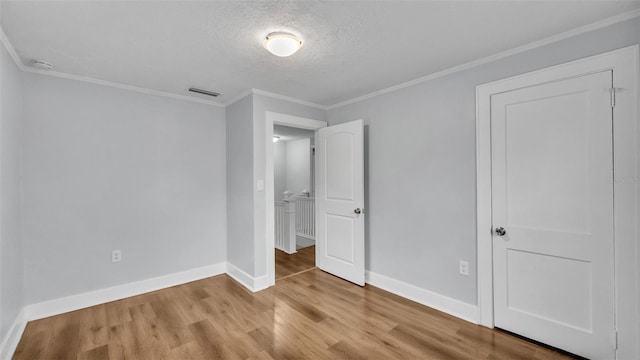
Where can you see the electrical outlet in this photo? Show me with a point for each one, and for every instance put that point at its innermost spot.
(116, 255)
(464, 268)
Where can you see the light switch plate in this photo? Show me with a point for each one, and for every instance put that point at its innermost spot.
(116, 255)
(464, 268)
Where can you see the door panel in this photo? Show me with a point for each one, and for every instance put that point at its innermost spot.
(339, 191)
(552, 192)
(339, 169)
(553, 273)
(548, 196)
(340, 231)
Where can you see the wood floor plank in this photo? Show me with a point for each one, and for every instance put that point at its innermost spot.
(303, 307)
(173, 329)
(289, 264)
(263, 355)
(32, 344)
(117, 312)
(210, 340)
(188, 351)
(374, 341)
(344, 350)
(311, 315)
(64, 339)
(98, 353)
(94, 331)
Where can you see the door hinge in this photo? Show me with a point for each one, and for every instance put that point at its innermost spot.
(612, 91)
(615, 340)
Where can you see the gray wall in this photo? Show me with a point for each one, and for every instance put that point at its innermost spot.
(291, 167)
(420, 165)
(107, 169)
(262, 104)
(240, 184)
(11, 266)
(298, 165)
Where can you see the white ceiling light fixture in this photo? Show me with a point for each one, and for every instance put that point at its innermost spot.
(282, 44)
(276, 138)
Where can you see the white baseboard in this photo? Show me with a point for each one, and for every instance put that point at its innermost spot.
(439, 302)
(252, 283)
(304, 242)
(260, 283)
(11, 340)
(287, 252)
(80, 301)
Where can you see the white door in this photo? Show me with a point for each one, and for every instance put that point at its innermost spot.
(553, 196)
(340, 200)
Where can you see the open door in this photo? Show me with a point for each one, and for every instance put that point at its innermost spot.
(340, 200)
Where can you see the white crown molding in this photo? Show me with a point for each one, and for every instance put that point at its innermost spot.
(428, 298)
(239, 97)
(11, 50)
(123, 86)
(21, 66)
(289, 99)
(12, 338)
(536, 44)
(101, 296)
(246, 93)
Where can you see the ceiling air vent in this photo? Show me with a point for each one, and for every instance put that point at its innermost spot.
(43, 65)
(204, 92)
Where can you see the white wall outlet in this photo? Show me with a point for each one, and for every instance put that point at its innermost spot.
(463, 268)
(260, 185)
(116, 255)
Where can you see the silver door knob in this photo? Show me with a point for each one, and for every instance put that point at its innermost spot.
(500, 231)
(357, 211)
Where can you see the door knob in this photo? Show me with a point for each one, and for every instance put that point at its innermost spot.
(357, 211)
(500, 231)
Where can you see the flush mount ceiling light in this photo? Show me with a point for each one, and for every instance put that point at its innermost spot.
(276, 138)
(282, 44)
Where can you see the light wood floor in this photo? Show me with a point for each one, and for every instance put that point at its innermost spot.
(312, 315)
(287, 265)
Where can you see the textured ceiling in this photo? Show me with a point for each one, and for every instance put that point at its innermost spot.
(350, 48)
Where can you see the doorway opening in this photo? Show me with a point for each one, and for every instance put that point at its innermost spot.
(339, 205)
(297, 124)
(294, 201)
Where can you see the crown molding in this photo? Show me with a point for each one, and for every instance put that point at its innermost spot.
(11, 50)
(289, 99)
(239, 97)
(536, 44)
(123, 86)
(246, 93)
(21, 66)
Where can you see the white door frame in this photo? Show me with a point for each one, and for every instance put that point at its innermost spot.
(626, 184)
(273, 118)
